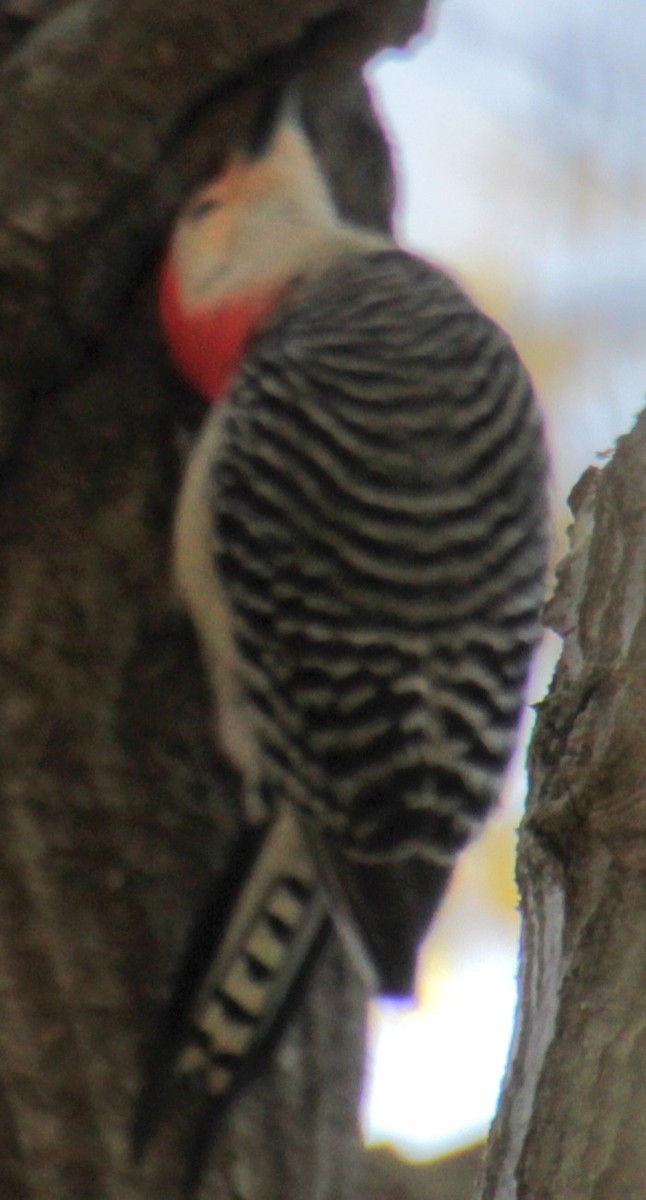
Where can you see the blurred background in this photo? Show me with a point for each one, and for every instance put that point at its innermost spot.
(519, 133)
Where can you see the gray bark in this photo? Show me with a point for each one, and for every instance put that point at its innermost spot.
(113, 812)
(571, 1123)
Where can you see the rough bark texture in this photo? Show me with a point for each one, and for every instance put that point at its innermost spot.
(572, 1124)
(112, 810)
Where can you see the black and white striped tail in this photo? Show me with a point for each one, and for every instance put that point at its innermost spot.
(246, 959)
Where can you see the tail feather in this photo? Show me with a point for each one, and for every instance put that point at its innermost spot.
(245, 962)
(382, 910)
(248, 1067)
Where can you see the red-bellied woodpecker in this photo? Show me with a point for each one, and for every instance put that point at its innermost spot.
(361, 543)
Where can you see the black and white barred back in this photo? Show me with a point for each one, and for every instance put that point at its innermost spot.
(380, 500)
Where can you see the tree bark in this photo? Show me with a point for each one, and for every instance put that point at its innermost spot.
(113, 812)
(571, 1122)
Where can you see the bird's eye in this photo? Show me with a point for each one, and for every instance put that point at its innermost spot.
(201, 208)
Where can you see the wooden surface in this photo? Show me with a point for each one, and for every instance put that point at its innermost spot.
(112, 811)
(571, 1123)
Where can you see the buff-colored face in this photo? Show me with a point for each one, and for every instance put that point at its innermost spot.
(252, 223)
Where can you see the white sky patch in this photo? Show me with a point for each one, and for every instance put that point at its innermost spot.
(434, 1083)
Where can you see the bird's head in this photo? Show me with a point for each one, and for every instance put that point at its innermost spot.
(237, 246)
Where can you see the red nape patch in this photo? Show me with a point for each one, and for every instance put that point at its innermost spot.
(207, 346)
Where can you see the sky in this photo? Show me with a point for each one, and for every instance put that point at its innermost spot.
(519, 136)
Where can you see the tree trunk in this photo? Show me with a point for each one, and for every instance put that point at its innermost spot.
(113, 812)
(572, 1123)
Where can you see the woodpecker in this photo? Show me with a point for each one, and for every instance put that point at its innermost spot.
(360, 541)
